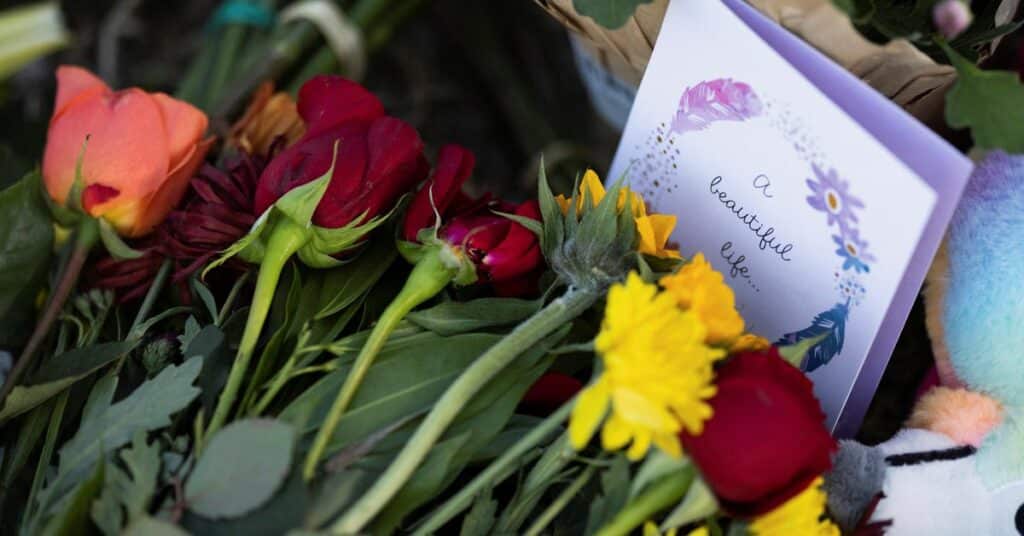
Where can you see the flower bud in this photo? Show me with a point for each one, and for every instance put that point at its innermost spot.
(951, 17)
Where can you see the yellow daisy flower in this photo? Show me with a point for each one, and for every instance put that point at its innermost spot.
(700, 288)
(803, 514)
(653, 230)
(657, 374)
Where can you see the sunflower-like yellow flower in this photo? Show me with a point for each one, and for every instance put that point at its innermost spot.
(653, 229)
(698, 287)
(803, 514)
(657, 374)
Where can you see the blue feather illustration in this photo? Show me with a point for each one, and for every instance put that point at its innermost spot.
(832, 324)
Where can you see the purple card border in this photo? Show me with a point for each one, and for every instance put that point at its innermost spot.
(939, 164)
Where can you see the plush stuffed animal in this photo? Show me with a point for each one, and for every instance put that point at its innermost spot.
(958, 465)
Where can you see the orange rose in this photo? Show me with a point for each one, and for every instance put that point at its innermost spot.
(143, 148)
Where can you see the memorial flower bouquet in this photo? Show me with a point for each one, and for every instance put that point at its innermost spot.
(220, 338)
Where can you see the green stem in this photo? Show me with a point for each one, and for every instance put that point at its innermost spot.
(488, 477)
(560, 502)
(664, 493)
(229, 302)
(152, 293)
(43, 464)
(430, 275)
(87, 234)
(285, 239)
(459, 393)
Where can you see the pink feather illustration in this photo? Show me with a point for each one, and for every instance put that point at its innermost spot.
(721, 99)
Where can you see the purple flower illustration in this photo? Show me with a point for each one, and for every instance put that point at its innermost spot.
(721, 99)
(853, 250)
(831, 196)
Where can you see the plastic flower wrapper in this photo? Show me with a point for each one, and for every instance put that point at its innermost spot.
(115, 164)
(591, 245)
(448, 238)
(320, 197)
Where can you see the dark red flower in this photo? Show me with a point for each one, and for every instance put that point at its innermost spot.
(504, 253)
(379, 157)
(548, 393)
(766, 440)
(217, 211)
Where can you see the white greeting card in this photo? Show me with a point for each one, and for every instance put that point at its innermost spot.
(812, 220)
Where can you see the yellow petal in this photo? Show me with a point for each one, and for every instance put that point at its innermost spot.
(648, 238)
(592, 186)
(643, 412)
(650, 529)
(590, 408)
(615, 434)
(563, 203)
(669, 444)
(641, 444)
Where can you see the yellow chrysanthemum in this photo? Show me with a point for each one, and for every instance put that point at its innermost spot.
(748, 342)
(803, 514)
(657, 374)
(653, 230)
(651, 529)
(700, 288)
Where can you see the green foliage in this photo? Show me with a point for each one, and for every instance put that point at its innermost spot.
(105, 426)
(589, 250)
(451, 318)
(59, 373)
(481, 517)
(147, 526)
(608, 13)
(990, 103)
(699, 503)
(615, 485)
(344, 285)
(127, 492)
(241, 468)
(26, 240)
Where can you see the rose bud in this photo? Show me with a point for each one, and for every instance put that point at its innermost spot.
(142, 150)
(379, 158)
(469, 244)
(766, 440)
(321, 196)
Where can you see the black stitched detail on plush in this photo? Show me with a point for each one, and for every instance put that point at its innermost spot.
(928, 456)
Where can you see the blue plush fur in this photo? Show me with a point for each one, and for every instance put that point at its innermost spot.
(984, 306)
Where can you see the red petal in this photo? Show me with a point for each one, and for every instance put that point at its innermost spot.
(519, 252)
(97, 194)
(454, 165)
(326, 102)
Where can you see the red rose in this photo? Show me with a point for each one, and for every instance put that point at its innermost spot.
(504, 253)
(548, 393)
(379, 157)
(766, 440)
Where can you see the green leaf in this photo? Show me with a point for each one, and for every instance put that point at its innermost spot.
(207, 297)
(611, 14)
(615, 493)
(117, 248)
(209, 342)
(530, 224)
(147, 526)
(284, 512)
(61, 372)
(399, 383)
(481, 517)
(26, 240)
(551, 214)
(126, 494)
(656, 465)
(106, 426)
(990, 103)
(346, 284)
(241, 468)
(73, 515)
(699, 503)
(450, 318)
